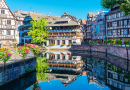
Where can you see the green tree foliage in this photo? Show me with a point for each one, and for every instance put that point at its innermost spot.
(41, 68)
(38, 31)
(124, 5)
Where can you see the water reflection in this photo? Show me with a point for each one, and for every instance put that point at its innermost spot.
(77, 70)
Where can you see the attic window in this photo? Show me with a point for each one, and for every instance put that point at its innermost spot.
(2, 11)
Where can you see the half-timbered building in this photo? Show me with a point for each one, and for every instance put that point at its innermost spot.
(7, 24)
(117, 25)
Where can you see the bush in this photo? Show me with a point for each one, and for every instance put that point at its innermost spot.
(113, 42)
(34, 48)
(92, 42)
(23, 50)
(105, 41)
(126, 42)
(99, 42)
(109, 41)
(118, 42)
(83, 42)
(5, 55)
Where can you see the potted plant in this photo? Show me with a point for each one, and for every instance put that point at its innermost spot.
(105, 42)
(99, 61)
(127, 77)
(109, 66)
(63, 44)
(78, 35)
(119, 71)
(69, 54)
(109, 41)
(74, 57)
(105, 63)
(92, 59)
(113, 42)
(118, 42)
(99, 42)
(92, 42)
(83, 42)
(69, 44)
(113, 68)
(126, 42)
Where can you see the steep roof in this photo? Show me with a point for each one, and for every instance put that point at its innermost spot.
(71, 17)
(90, 14)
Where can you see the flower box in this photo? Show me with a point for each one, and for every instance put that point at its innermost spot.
(63, 44)
(69, 44)
(78, 35)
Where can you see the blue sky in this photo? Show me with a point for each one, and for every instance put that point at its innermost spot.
(78, 8)
(81, 83)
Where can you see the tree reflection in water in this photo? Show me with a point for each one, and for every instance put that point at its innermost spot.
(41, 70)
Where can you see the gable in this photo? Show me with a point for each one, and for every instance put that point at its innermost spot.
(7, 11)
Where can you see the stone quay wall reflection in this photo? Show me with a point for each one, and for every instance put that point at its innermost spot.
(113, 50)
(15, 70)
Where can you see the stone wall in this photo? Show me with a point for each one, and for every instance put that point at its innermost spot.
(113, 50)
(15, 70)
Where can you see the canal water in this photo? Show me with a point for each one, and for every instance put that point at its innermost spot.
(67, 70)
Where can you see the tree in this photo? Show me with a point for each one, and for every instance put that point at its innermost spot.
(38, 31)
(124, 5)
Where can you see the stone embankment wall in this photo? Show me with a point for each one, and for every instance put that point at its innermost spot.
(113, 50)
(15, 70)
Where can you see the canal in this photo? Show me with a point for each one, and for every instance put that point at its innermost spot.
(67, 70)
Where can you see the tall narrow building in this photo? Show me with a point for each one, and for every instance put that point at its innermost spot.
(7, 24)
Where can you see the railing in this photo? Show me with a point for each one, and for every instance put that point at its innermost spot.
(118, 43)
(62, 30)
(7, 37)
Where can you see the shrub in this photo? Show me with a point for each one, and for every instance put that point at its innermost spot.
(92, 59)
(23, 50)
(83, 42)
(34, 48)
(109, 41)
(126, 42)
(99, 42)
(113, 42)
(105, 41)
(5, 55)
(118, 42)
(92, 42)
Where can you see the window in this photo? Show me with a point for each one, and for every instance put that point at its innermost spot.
(8, 22)
(117, 15)
(63, 57)
(70, 42)
(125, 31)
(118, 32)
(2, 11)
(120, 23)
(58, 56)
(109, 32)
(121, 14)
(8, 32)
(125, 22)
(63, 41)
(58, 42)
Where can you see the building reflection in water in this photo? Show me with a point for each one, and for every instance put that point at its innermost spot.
(63, 66)
(104, 73)
(66, 66)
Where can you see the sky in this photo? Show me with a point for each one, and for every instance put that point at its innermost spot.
(81, 83)
(78, 8)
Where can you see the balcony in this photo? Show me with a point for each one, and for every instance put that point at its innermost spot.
(7, 37)
(64, 30)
